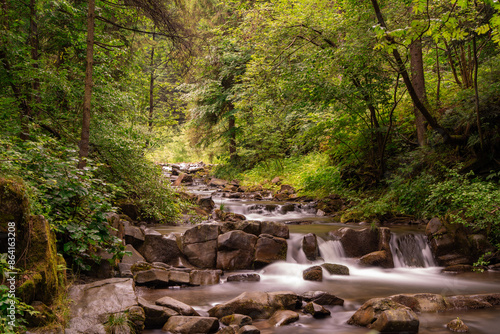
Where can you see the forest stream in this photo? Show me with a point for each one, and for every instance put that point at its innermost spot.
(415, 272)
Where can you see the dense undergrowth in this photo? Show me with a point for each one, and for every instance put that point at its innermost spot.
(75, 201)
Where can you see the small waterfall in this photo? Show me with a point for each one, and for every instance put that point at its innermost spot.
(331, 251)
(411, 250)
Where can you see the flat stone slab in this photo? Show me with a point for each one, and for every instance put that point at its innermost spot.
(93, 302)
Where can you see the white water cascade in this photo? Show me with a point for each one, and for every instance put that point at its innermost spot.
(411, 250)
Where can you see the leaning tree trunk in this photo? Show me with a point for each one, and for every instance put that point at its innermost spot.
(418, 82)
(87, 99)
(406, 78)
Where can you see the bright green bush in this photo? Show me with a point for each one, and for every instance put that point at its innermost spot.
(467, 200)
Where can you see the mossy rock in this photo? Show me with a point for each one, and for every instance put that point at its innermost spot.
(141, 266)
(36, 252)
(15, 203)
(350, 217)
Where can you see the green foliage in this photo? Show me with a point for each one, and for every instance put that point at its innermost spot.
(121, 150)
(481, 263)
(119, 323)
(74, 201)
(467, 200)
(8, 302)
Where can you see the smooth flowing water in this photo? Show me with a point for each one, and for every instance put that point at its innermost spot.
(415, 272)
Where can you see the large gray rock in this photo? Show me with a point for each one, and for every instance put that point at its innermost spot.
(310, 246)
(257, 305)
(133, 235)
(269, 249)
(134, 257)
(236, 250)
(177, 306)
(199, 245)
(385, 316)
(160, 248)
(191, 325)
(202, 254)
(94, 302)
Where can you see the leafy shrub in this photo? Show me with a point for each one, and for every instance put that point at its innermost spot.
(467, 200)
(74, 201)
(5, 302)
(121, 150)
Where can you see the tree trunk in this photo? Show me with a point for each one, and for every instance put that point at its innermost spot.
(438, 72)
(34, 46)
(476, 93)
(418, 82)
(151, 90)
(232, 135)
(87, 99)
(406, 78)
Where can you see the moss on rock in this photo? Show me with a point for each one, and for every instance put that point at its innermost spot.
(36, 254)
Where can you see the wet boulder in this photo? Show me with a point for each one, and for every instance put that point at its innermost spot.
(269, 249)
(422, 302)
(316, 310)
(310, 246)
(283, 318)
(472, 302)
(236, 250)
(380, 258)
(206, 203)
(357, 243)
(385, 316)
(276, 229)
(217, 183)
(248, 329)
(449, 243)
(458, 326)
(246, 277)
(322, 298)
(336, 269)
(191, 325)
(238, 320)
(177, 306)
(257, 305)
(314, 273)
(160, 248)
